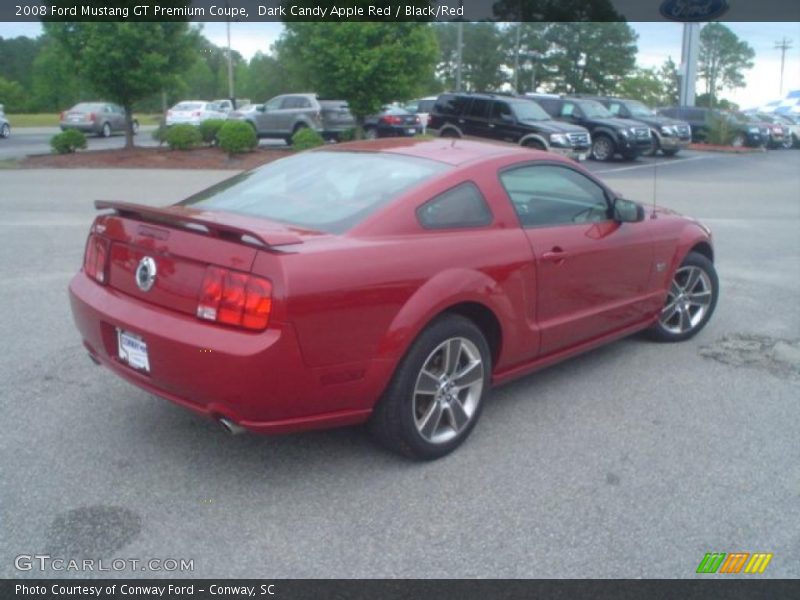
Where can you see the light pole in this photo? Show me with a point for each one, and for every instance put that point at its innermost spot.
(783, 46)
(230, 61)
(459, 44)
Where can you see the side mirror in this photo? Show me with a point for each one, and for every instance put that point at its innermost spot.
(507, 118)
(626, 211)
(261, 108)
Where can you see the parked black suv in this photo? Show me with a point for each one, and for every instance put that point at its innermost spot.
(506, 118)
(610, 135)
(703, 120)
(669, 135)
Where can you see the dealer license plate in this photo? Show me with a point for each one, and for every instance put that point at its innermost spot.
(412, 131)
(133, 350)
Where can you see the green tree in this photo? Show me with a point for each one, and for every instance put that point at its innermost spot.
(644, 85)
(723, 59)
(367, 64)
(482, 56)
(592, 58)
(55, 85)
(12, 95)
(129, 61)
(668, 73)
(16, 59)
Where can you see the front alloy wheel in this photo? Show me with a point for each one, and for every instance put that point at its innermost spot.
(602, 148)
(5, 131)
(436, 394)
(691, 300)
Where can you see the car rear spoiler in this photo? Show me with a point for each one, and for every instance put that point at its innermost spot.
(218, 224)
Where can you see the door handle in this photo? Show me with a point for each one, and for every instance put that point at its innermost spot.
(556, 255)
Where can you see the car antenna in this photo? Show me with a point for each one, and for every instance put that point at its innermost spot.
(655, 180)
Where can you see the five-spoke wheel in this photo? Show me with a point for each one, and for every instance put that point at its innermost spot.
(691, 298)
(436, 395)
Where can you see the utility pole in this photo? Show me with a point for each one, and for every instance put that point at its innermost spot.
(516, 60)
(459, 44)
(783, 46)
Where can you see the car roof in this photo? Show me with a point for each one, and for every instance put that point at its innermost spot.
(452, 151)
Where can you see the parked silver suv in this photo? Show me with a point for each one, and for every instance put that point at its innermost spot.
(282, 116)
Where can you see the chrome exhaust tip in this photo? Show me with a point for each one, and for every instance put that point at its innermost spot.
(231, 427)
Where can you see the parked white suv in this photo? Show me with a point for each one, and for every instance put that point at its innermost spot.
(194, 112)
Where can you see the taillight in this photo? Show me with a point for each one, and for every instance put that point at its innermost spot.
(95, 258)
(169, 113)
(391, 119)
(61, 116)
(92, 116)
(235, 298)
(416, 120)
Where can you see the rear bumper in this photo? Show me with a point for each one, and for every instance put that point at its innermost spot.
(257, 380)
(575, 153)
(84, 127)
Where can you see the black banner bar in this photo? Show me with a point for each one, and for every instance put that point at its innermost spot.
(400, 10)
(371, 589)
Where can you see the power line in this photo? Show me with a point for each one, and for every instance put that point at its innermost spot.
(783, 46)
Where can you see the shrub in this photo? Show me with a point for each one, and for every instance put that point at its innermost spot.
(720, 132)
(236, 137)
(306, 138)
(183, 137)
(209, 130)
(160, 133)
(68, 141)
(348, 135)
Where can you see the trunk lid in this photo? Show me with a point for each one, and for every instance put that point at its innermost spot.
(182, 242)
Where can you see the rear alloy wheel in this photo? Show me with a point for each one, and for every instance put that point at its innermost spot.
(5, 131)
(436, 396)
(602, 148)
(691, 300)
(654, 147)
(106, 130)
(738, 140)
(535, 145)
(371, 133)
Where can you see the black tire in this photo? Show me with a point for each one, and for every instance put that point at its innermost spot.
(105, 130)
(370, 133)
(672, 152)
(449, 133)
(603, 148)
(664, 330)
(394, 421)
(739, 140)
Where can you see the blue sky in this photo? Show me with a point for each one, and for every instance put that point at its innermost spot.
(657, 41)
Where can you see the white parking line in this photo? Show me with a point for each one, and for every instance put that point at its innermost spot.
(653, 165)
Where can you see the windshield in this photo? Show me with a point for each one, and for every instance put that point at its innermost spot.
(637, 109)
(594, 110)
(530, 111)
(323, 191)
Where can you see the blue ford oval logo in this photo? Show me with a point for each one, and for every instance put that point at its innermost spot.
(693, 10)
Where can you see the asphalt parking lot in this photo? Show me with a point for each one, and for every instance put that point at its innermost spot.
(631, 461)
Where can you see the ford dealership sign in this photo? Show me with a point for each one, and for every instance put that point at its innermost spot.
(693, 10)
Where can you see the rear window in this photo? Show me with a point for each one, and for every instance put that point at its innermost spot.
(323, 191)
(189, 106)
(87, 107)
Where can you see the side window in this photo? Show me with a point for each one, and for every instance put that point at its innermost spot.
(614, 108)
(462, 206)
(479, 108)
(449, 104)
(547, 196)
(499, 109)
(567, 109)
(303, 102)
(289, 102)
(274, 104)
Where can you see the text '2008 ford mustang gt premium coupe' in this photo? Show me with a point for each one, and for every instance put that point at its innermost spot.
(391, 282)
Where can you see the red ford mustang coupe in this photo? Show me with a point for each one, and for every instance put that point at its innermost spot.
(392, 282)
